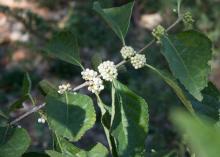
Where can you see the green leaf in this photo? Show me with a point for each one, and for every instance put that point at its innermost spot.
(13, 142)
(64, 46)
(188, 54)
(97, 151)
(34, 154)
(66, 147)
(26, 87)
(96, 60)
(70, 115)
(130, 124)
(47, 88)
(210, 104)
(106, 123)
(18, 103)
(118, 18)
(203, 137)
(52, 153)
(175, 86)
(26, 94)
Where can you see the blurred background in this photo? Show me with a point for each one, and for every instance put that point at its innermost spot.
(27, 25)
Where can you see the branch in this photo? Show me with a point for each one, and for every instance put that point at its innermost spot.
(167, 30)
(34, 109)
(37, 108)
(152, 41)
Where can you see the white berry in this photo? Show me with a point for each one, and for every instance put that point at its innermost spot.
(96, 85)
(138, 61)
(108, 70)
(127, 52)
(63, 88)
(41, 120)
(88, 74)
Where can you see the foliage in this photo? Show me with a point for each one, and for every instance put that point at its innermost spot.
(14, 142)
(204, 138)
(126, 121)
(182, 55)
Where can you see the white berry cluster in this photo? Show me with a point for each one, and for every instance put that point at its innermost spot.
(138, 61)
(95, 84)
(64, 87)
(108, 71)
(88, 74)
(127, 52)
(158, 32)
(41, 120)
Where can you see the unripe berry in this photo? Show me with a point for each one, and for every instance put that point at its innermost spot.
(188, 20)
(158, 32)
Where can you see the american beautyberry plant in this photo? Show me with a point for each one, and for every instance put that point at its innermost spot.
(70, 114)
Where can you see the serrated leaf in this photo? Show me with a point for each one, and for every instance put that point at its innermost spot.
(130, 124)
(188, 54)
(26, 85)
(70, 115)
(64, 46)
(203, 137)
(171, 81)
(13, 142)
(210, 104)
(118, 18)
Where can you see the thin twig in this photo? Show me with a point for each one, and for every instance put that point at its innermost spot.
(37, 108)
(147, 46)
(152, 41)
(167, 30)
(174, 24)
(34, 109)
(79, 86)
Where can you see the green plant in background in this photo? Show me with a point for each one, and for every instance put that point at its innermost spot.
(202, 136)
(70, 114)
